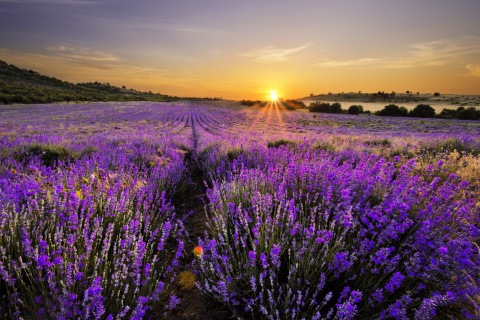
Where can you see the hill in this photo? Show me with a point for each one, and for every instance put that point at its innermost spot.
(27, 86)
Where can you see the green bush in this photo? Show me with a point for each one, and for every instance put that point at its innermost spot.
(422, 111)
(325, 107)
(393, 110)
(469, 114)
(355, 109)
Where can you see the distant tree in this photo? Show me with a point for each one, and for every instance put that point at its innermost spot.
(325, 107)
(402, 112)
(422, 111)
(448, 114)
(336, 108)
(355, 109)
(393, 110)
(319, 107)
(469, 114)
(408, 91)
(436, 94)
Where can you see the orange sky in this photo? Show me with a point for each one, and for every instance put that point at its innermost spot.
(244, 49)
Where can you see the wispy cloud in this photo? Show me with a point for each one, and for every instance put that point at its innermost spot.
(82, 53)
(474, 69)
(421, 54)
(70, 57)
(438, 52)
(193, 29)
(271, 54)
(364, 62)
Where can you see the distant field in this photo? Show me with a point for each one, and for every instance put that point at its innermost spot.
(195, 210)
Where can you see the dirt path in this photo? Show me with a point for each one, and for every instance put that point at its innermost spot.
(190, 202)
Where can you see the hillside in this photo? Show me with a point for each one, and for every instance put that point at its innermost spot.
(28, 86)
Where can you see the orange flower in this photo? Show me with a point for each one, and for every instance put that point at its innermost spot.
(198, 251)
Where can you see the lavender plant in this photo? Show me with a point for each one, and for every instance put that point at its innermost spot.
(87, 238)
(332, 217)
(315, 238)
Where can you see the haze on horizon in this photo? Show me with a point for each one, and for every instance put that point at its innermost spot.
(245, 49)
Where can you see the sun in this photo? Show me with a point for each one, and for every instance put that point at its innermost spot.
(273, 95)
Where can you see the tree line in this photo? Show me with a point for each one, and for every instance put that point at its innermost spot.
(392, 110)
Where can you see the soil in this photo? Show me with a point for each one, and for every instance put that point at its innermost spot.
(194, 305)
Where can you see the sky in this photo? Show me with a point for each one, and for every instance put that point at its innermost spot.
(242, 49)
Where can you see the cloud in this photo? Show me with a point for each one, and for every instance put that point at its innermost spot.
(194, 29)
(364, 62)
(421, 54)
(67, 58)
(271, 54)
(474, 69)
(437, 53)
(82, 54)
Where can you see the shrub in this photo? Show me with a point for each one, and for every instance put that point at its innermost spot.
(292, 104)
(355, 109)
(393, 110)
(448, 114)
(422, 111)
(325, 107)
(319, 107)
(249, 102)
(469, 114)
(336, 108)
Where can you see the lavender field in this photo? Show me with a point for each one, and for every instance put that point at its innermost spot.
(327, 217)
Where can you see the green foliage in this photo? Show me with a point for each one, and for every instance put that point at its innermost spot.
(49, 154)
(250, 102)
(422, 111)
(292, 104)
(87, 151)
(325, 107)
(325, 146)
(281, 142)
(355, 109)
(233, 154)
(469, 114)
(27, 86)
(393, 110)
(449, 113)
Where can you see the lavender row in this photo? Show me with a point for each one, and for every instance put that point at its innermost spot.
(307, 234)
(87, 229)
(336, 216)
